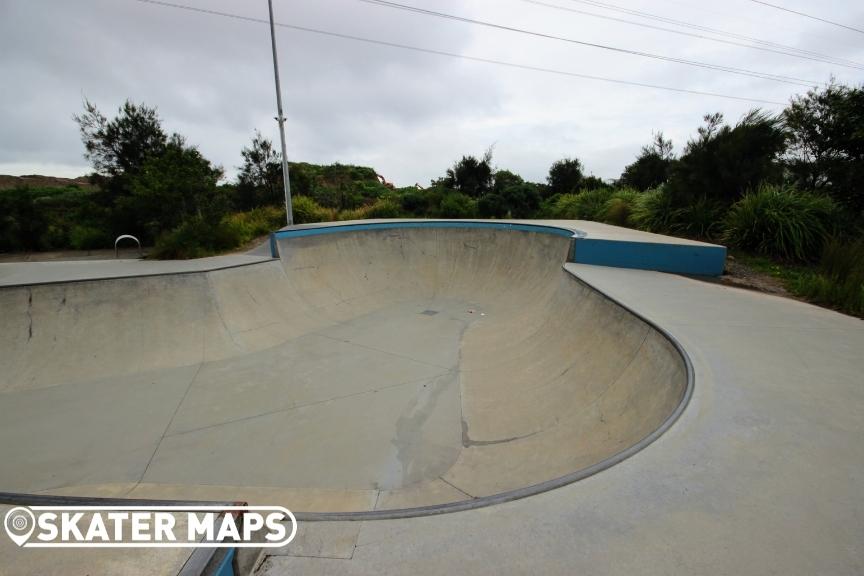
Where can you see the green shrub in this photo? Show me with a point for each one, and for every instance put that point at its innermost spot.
(584, 205)
(54, 237)
(492, 206)
(839, 283)
(653, 211)
(384, 208)
(306, 210)
(701, 219)
(457, 205)
(619, 207)
(88, 238)
(565, 206)
(197, 238)
(354, 214)
(548, 207)
(780, 222)
(259, 221)
(415, 202)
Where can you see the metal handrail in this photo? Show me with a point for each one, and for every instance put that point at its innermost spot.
(123, 237)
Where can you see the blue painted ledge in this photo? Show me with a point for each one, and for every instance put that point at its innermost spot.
(693, 259)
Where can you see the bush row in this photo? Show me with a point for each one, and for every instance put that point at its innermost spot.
(772, 220)
(839, 280)
(199, 237)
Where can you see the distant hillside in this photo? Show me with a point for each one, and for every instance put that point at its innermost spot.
(38, 181)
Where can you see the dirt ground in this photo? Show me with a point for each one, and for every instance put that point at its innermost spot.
(742, 276)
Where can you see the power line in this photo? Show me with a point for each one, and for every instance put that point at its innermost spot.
(808, 16)
(682, 23)
(826, 60)
(728, 69)
(459, 56)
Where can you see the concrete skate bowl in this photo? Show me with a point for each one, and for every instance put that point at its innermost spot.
(371, 372)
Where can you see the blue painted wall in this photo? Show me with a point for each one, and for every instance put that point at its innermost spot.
(677, 258)
(226, 567)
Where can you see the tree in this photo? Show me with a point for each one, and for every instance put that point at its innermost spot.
(516, 200)
(174, 187)
(593, 183)
(260, 179)
(120, 146)
(510, 196)
(21, 221)
(148, 182)
(722, 163)
(470, 175)
(651, 167)
(565, 176)
(504, 179)
(457, 205)
(826, 143)
(523, 199)
(492, 206)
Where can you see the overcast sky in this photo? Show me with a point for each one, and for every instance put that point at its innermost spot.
(408, 114)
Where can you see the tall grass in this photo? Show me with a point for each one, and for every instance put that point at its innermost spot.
(780, 222)
(199, 237)
(196, 238)
(257, 222)
(306, 210)
(654, 211)
(619, 207)
(701, 219)
(384, 208)
(839, 282)
(584, 205)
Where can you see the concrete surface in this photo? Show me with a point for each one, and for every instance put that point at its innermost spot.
(74, 562)
(762, 474)
(371, 370)
(30, 273)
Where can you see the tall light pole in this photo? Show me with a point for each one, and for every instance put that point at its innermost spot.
(289, 212)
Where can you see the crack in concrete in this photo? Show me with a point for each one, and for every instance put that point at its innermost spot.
(29, 314)
(456, 487)
(306, 405)
(467, 442)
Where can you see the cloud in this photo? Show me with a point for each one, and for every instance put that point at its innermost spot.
(408, 114)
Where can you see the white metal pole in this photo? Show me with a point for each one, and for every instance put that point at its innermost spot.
(289, 212)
